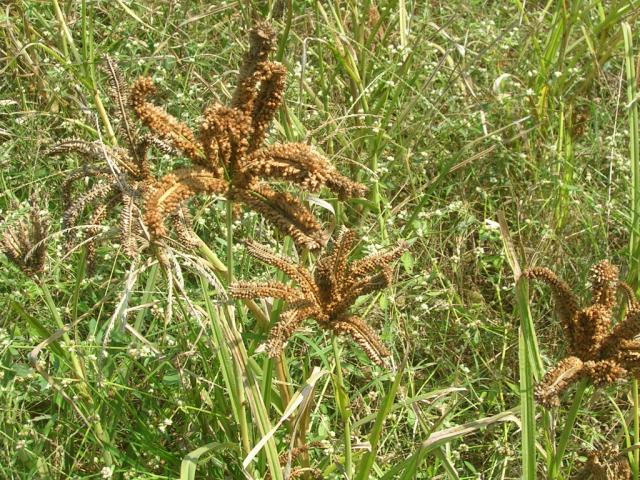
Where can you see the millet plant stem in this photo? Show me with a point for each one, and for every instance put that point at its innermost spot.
(99, 431)
(342, 401)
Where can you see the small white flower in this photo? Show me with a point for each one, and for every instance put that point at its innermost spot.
(107, 472)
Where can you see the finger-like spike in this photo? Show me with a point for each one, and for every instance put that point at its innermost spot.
(271, 289)
(604, 283)
(224, 135)
(127, 235)
(604, 372)
(363, 335)
(165, 126)
(285, 212)
(97, 217)
(629, 293)
(100, 191)
(175, 188)
(566, 301)
(25, 243)
(119, 93)
(261, 42)
(182, 226)
(289, 322)
(370, 264)
(556, 381)
(297, 163)
(296, 272)
(268, 100)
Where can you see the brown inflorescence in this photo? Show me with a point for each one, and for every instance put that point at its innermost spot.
(327, 294)
(605, 464)
(230, 146)
(597, 351)
(25, 243)
(126, 179)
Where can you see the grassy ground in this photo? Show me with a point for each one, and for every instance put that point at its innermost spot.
(459, 117)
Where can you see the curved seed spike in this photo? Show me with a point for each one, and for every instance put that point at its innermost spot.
(261, 42)
(566, 301)
(628, 292)
(127, 236)
(182, 226)
(268, 100)
(175, 188)
(119, 93)
(627, 329)
(298, 163)
(98, 192)
(97, 217)
(166, 127)
(604, 283)
(370, 264)
(286, 213)
(296, 272)
(556, 381)
(25, 243)
(363, 335)
(289, 322)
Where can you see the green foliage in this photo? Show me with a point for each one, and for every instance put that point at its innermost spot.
(490, 137)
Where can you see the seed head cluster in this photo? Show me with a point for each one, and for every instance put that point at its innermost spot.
(25, 243)
(230, 146)
(325, 295)
(597, 350)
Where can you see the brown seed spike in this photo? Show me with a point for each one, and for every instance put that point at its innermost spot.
(166, 127)
(566, 301)
(268, 100)
(598, 352)
(556, 381)
(321, 297)
(175, 188)
(261, 41)
(364, 336)
(25, 243)
(604, 282)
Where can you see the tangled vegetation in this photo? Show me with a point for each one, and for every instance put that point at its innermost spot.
(185, 185)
